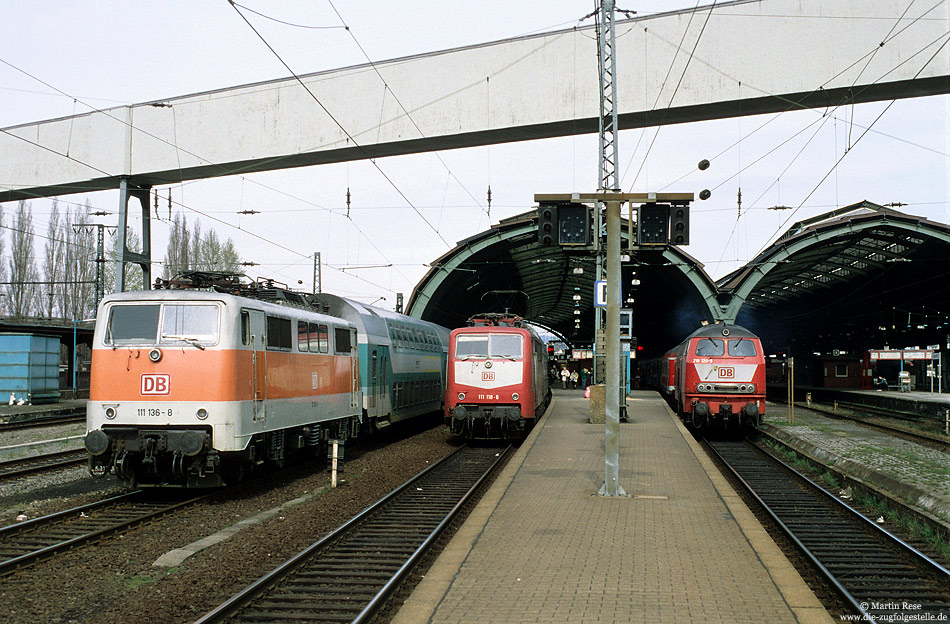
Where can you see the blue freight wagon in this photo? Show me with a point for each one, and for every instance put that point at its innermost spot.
(29, 368)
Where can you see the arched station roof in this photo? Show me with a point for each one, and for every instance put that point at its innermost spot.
(857, 277)
(505, 269)
(860, 276)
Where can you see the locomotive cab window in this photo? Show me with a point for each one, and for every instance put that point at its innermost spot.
(471, 346)
(709, 347)
(506, 346)
(133, 324)
(741, 347)
(189, 323)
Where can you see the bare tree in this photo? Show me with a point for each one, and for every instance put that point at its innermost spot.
(194, 248)
(53, 269)
(176, 254)
(79, 262)
(189, 250)
(21, 291)
(2, 242)
(134, 277)
(230, 260)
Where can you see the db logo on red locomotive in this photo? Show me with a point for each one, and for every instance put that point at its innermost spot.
(155, 383)
(726, 372)
(488, 375)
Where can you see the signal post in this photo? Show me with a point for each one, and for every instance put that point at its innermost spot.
(572, 232)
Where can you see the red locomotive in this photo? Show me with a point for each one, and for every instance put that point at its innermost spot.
(497, 378)
(715, 378)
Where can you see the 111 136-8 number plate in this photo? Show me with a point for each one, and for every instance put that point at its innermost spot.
(154, 412)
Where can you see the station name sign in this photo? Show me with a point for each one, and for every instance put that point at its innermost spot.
(906, 354)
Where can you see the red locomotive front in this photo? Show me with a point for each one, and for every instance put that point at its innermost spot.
(497, 379)
(720, 378)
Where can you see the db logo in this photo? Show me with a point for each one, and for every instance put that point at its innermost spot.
(726, 372)
(155, 383)
(488, 375)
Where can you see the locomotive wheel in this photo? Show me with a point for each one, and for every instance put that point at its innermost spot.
(123, 469)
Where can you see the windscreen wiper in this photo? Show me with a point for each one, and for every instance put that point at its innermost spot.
(192, 341)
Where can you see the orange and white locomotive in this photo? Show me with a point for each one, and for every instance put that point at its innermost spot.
(193, 388)
(497, 378)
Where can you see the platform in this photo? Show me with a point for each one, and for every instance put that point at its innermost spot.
(542, 546)
(909, 472)
(921, 403)
(9, 413)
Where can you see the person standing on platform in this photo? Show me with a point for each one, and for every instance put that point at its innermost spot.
(584, 375)
(574, 378)
(565, 375)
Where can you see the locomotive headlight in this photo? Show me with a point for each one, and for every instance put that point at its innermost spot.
(515, 396)
(202, 413)
(461, 396)
(110, 413)
(155, 355)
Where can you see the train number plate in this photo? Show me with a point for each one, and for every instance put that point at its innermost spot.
(154, 412)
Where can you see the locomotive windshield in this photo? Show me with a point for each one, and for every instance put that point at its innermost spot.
(484, 345)
(190, 322)
(133, 324)
(709, 347)
(713, 347)
(741, 347)
(139, 324)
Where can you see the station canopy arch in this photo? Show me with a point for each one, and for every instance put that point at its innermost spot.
(863, 276)
(505, 269)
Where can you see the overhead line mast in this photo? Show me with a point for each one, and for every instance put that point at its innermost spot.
(608, 157)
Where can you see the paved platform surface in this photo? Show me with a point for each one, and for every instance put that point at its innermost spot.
(541, 546)
(910, 472)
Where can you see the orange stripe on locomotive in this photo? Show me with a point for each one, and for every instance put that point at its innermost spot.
(216, 375)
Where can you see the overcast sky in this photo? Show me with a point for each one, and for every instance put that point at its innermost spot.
(110, 53)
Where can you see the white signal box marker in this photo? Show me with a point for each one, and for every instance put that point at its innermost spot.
(600, 294)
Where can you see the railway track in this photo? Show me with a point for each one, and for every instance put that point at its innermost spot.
(34, 540)
(876, 574)
(44, 421)
(41, 463)
(348, 575)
